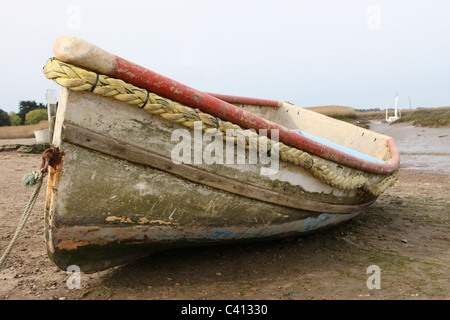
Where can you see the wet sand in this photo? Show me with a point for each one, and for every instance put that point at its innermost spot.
(425, 149)
(406, 233)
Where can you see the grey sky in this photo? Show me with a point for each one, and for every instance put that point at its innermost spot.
(354, 53)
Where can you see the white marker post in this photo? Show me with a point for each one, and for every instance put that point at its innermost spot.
(51, 109)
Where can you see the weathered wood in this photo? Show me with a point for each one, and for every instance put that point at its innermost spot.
(125, 151)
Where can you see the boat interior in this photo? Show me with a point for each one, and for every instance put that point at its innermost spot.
(338, 134)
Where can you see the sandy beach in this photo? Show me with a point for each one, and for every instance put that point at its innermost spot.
(405, 233)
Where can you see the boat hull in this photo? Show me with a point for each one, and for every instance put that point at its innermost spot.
(117, 194)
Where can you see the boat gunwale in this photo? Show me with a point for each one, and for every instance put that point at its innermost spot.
(140, 76)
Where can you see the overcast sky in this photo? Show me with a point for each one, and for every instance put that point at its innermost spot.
(320, 52)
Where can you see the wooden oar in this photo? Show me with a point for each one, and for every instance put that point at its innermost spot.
(82, 53)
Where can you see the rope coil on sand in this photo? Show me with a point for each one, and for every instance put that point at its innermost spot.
(79, 79)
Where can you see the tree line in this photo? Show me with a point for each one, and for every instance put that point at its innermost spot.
(30, 112)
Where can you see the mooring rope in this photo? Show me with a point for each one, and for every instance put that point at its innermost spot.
(30, 179)
(79, 79)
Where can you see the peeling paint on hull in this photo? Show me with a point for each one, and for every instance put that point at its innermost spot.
(111, 244)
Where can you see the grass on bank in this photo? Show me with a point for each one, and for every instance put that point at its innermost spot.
(346, 114)
(337, 112)
(435, 117)
(427, 117)
(22, 132)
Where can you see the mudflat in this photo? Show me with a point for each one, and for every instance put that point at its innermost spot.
(405, 233)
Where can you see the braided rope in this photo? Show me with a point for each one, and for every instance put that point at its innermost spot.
(79, 79)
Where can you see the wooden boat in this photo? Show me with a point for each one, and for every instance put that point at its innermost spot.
(115, 193)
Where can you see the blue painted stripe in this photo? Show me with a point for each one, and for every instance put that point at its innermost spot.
(340, 148)
(229, 233)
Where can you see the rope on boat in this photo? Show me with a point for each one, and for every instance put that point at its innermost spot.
(79, 79)
(30, 179)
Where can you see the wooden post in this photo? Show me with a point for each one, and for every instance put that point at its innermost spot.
(410, 107)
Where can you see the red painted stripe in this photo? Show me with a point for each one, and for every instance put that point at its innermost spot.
(159, 84)
(245, 100)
